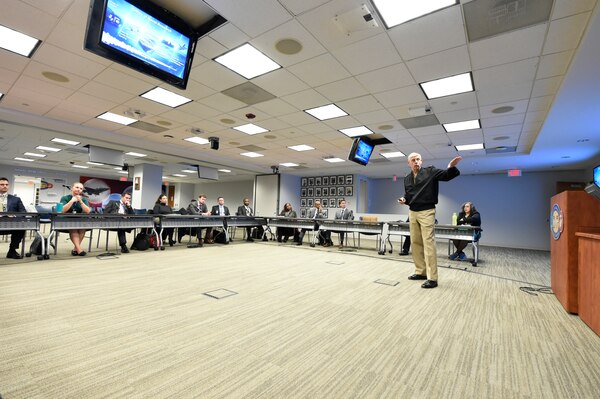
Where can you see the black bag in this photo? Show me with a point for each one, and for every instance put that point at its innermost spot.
(36, 246)
(220, 237)
(141, 242)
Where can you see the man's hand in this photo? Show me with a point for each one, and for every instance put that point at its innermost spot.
(402, 200)
(454, 161)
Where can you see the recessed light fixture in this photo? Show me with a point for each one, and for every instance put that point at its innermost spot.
(252, 154)
(23, 159)
(197, 140)
(64, 141)
(178, 175)
(44, 148)
(123, 120)
(301, 147)
(503, 109)
(333, 160)
(17, 42)
(224, 170)
(465, 125)
(394, 12)
(288, 164)
(81, 166)
(468, 147)
(392, 154)
(123, 172)
(118, 168)
(356, 131)
(247, 61)
(326, 112)
(165, 97)
(250, 128)
(189, 171)
(35, 154)
(1, 95)
(136, 154)
(95, 163)
(449, 86)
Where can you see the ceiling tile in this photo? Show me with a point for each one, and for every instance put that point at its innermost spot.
(367, 55)
(280, 83)
(565, 8)
(501, 75)
(519, 107)
(228, 36)
(254, 17)
(440, 65)
(298, 7)
(391, 77)
(454, 103)
(554, 64)
(458, 115)
(221, 102)
(548, 86)
(342, 90)
(402, 96)
(565, 34)
(306, 99)
(512, 119)
(319, 70)
(216, 76)
(359, 105)
(503, 94)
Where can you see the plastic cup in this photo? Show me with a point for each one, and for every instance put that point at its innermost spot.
(59, 208)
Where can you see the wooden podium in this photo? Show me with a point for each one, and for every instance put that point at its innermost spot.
(589, 280)
(570, 212)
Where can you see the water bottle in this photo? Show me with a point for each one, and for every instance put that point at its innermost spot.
(454, 218)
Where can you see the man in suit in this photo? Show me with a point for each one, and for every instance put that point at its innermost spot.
(11, 203)
(219, 210)
(122, 207)
(343, 214)
(246, 210)
(200, 208)
(317, 213)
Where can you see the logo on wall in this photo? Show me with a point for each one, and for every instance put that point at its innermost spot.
(556, 221)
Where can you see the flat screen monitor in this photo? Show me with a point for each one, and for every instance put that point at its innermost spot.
(361, 151)
(144, 37)
(597, 176)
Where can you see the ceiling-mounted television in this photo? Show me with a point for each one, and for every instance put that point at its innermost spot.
(144, 37)
(361, 150)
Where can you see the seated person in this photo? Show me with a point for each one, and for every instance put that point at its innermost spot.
(283, 233)
(11, 203)
(343, 214)
(199, 208)
(324, 236)
(246, 210)
(217, 210)
(468, 216)
(122, 207)
(76, 203)
(161, 208)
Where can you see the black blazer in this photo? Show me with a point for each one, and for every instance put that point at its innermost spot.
(14, 204)
(160, 209)
(114, 206)
(242, 211)
(215, 210)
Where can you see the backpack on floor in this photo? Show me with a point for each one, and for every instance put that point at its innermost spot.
(141, 242)
(36, 246)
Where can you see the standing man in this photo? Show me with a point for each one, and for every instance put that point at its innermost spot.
(421, 188)
(121, 207)
(343, 214)
(11, 203)
(200, 208)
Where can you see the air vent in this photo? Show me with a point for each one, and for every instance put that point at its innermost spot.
(419, 121)
(47, 161)
(251, 148)
(500, 150)
(248, 93)
(148, 127)
(76, 150)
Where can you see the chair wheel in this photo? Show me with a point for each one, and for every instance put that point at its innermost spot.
(390, 251)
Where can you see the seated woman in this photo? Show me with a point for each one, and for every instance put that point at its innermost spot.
(283, 233)
(161, 208)
(76, 203)
(468, 216)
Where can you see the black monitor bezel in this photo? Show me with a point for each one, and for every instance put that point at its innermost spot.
(354, 148)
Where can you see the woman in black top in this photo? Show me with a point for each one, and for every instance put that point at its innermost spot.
(283, 233)
(471, 217)
(161, 208)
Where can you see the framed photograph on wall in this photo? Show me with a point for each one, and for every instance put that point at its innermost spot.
(309, 192)
(317, 191)
(325, 213)
(303, 192)
(304, 181)
(332, 180)
(340, 191)
(348, 192)
(326, 180)
(340, 180)
(325, 191)
(303, 202)
(332, 203)
(332, 190)
(311, 181)
(318, 181)
(349, 180)
(309, 202)
(303, 212)
(324, 203)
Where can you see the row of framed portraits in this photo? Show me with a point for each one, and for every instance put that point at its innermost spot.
(304, 212)
(325, 202)
(340, 180)
(339, 191)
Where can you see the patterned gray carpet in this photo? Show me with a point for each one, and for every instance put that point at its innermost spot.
(305, 323)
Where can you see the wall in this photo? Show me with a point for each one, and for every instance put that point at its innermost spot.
(184, 193)
(514, 210)
(289, 191)
(233, 192)
(48, 196)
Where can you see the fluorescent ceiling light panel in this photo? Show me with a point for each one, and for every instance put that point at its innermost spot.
(326, 112)
(224, 170)
(123, 120)
(189, 171)
(395, 154)
(179, 175)
(247, 61)
(197, 140)
(23, 159)
(44, 148)
(394, 12)
(165, 97)
(95, 163)
(35, 154)
(123, 172)
(64, 141)
(136, 154)
(458, 126)
(118, 168)
(250, 128)
(334, 160)
(356, 131)
(17, 42)
(1, 95)
(449, 86)
(81, 166)
(468, 147)
(301, 147)
(252, 154)
(288, 164)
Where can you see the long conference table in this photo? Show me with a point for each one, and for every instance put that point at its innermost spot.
(156, 223)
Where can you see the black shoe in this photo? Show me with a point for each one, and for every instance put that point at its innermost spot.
(124, 249)
(299, 243)
(279, 239)
(250, 239)
(200, 243)
(417, 277)
(12, 254)
(265, 238)
(403, 253)
(429, 284)
(74, 253)
(171, 243)
(285, 239)
(82, 253)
